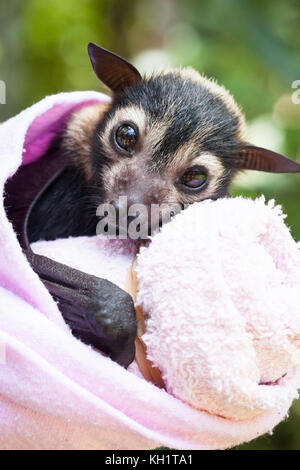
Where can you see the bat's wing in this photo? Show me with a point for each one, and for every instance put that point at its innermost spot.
(98, 312)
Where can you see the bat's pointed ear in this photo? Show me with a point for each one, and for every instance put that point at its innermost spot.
(260, 159)
(115, 72)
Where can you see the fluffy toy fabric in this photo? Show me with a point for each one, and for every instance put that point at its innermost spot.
(229, 287)
(221, 286)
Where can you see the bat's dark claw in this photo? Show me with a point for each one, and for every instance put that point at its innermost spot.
(98, 312)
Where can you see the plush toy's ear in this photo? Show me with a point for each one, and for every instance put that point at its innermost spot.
(115, 72)
(260, 159)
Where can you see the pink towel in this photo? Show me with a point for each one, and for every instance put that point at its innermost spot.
(56, 392)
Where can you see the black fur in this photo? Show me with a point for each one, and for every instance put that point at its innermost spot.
(63, 210)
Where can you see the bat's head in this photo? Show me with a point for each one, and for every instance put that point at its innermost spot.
(172, 139)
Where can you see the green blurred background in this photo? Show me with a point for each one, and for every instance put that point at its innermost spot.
(250, 46)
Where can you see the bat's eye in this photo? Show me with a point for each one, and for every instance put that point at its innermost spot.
(193, 179)
(126, 137)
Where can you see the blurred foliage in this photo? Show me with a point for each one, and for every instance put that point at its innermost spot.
(250, 46)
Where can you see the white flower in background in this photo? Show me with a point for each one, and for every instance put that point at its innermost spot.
(2, 92)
